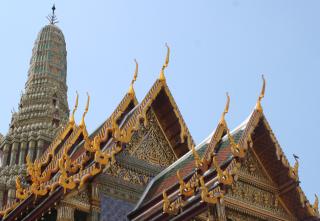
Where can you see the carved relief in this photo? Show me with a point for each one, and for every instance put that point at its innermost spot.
(245, 191)
(149, 143)
(252, 168)
(128, 175)
(237, 216)
(257, 197)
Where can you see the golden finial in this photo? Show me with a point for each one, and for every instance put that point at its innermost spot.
(135, 75)
(165, 65)
(74, 109)
(296, 165)
(226, 110)
(258, 106)
(86, 110)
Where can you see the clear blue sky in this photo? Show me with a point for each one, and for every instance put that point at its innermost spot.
(217, 46)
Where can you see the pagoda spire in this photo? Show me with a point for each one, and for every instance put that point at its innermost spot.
(165, 65)
(43, 107)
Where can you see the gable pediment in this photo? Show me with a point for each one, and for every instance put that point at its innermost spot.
(150, 144)
(255, 192)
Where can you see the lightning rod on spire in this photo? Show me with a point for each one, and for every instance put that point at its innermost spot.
(53, 18)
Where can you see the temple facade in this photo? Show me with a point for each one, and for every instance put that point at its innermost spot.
(141, 163)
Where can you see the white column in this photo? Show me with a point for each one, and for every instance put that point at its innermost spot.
(40, 148)
(11, 195)
(6, 150)
(14, 153)
(23, 151)
(32, 149)
(65, 212)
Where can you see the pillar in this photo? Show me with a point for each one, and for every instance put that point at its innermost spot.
(95, 203)
(32, 149)
(23, 151)
(65, 212)
(212, 213)
(14, 152)
(95, 214)
(1, 197)
(221, 212)
(40, 148)
(6, 150)
(11, 195)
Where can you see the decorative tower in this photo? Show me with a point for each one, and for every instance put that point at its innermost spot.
(43, 107)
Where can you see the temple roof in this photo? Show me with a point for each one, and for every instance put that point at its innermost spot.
(214, 164)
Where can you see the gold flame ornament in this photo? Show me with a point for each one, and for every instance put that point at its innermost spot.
(74, 109)
(258, 106)
(224, 177)
(207, 196)
(165, 65)
(21, 193)
(236, 150)
(185, 189)
(168, 207)
(135, 75)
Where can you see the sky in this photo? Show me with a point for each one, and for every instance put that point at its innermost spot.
(217, 46)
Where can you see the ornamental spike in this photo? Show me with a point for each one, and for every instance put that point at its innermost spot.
(165, 65)
(261, 96)
(135, 75)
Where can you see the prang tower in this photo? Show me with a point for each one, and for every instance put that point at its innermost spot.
(43, 107)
